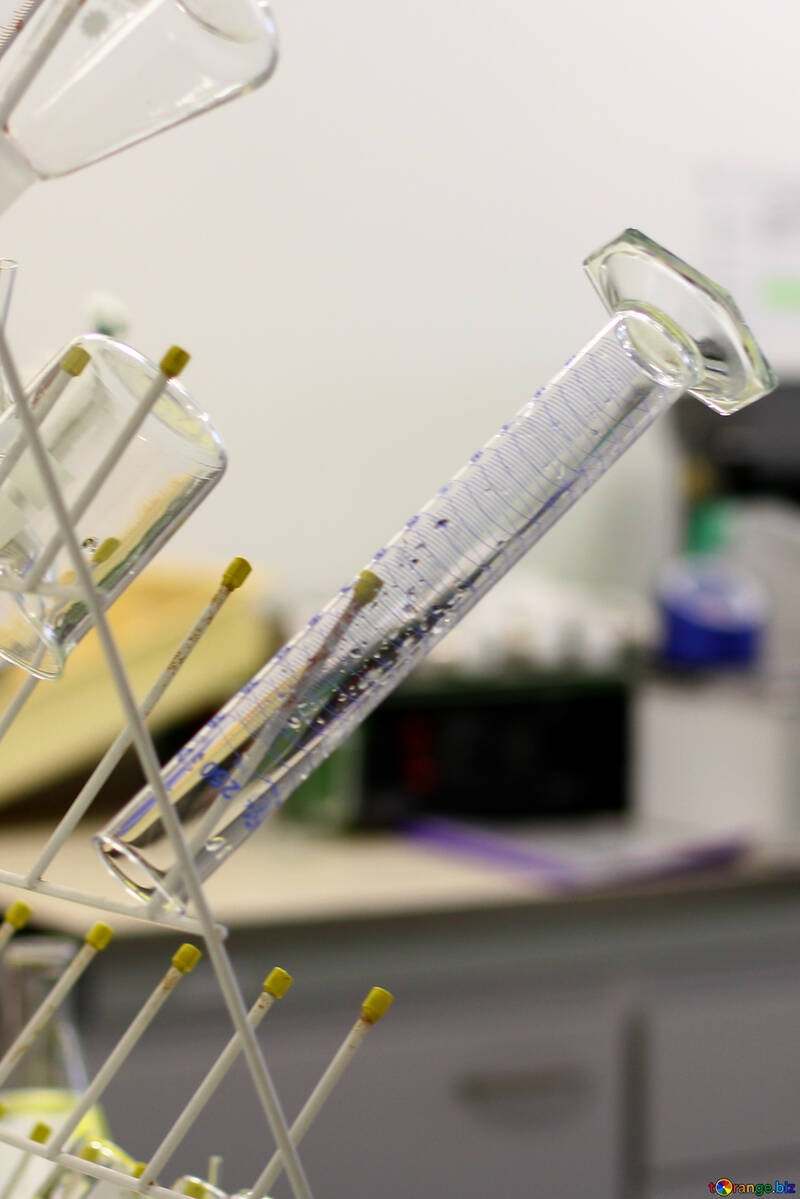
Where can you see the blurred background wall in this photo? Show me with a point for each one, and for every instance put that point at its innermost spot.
(376, 259)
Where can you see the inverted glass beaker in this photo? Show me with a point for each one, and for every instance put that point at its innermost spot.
(165, 471)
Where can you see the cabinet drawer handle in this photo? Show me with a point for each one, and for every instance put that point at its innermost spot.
(521, 1097)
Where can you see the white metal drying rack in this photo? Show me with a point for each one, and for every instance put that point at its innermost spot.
(203, 923)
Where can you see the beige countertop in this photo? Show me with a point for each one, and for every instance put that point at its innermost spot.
(284, 874)
(289, 874)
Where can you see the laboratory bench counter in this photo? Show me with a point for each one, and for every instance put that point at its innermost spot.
(290, 874)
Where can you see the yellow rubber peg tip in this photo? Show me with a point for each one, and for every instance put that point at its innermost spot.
(99, 936)
(75, 361)
(236, 573)
(3, 1109)
(139, 1169)
(376, 1005)
(41, 1133)
(186, 958)
(105, 549)
(277, 982)
(91, 1153)
(173, 362)
(367, 587)
(194, 1188)
(18, 915)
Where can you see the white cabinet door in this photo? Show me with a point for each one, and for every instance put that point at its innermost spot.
(775, 1166)
(723, 1061)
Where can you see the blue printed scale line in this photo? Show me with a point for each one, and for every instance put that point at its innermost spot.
(672, 331)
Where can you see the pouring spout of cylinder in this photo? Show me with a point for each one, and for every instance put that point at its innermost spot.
(634, 273)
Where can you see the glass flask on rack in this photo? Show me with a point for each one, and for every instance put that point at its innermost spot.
(82, 79)
(672, 331)
(195, 1188)
(64, 1183)
(44, 1084)
(81, 403)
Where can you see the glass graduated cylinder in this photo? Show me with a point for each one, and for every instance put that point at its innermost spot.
(267, 739)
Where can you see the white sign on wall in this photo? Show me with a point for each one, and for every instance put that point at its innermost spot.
(750, 230)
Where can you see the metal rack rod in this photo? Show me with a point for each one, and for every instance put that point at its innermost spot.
(233, 578)
(81, 1166)
(185, 924)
